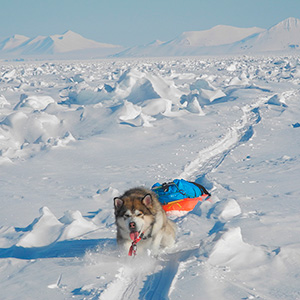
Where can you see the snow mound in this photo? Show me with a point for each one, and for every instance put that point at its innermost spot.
(8, 75)
(137, 98)
(155, 107)
(129, 111)
(230, 250)
(75, 225)
(204, 92)
(23, 134)
(212, 95)
(3, 102)
(277, 100)
(34, 102)
(133, 85)
(229, 210)
(137, 86)
(240, 80)
(194, 106)
(47, 229)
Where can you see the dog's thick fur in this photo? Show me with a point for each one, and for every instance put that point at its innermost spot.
(138, 210)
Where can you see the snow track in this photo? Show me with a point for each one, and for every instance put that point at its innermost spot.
(149, 280)
(211, 157)
(158, 285)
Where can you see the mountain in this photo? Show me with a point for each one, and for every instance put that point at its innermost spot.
(67, 43)
(13, 42)
(283, 36)
(216, 36)
(193, 42)
(221, 39)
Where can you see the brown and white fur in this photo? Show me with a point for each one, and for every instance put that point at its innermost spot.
(138, 210)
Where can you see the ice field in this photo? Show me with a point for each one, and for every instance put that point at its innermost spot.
(75, 134)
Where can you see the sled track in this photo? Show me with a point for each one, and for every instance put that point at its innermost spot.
(211, 157)
(158, 285)
(151, 283)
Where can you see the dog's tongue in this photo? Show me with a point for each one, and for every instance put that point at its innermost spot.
(134, 235)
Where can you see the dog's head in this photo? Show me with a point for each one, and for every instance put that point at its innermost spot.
(134, 211)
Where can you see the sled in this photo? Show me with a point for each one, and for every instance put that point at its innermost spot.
(180, 196)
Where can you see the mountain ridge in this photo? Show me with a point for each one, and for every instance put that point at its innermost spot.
(283, 36)
(192, 42)
(57, 44)
(219, 40)
(226, 40)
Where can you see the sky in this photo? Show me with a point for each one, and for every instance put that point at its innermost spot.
(137, 22)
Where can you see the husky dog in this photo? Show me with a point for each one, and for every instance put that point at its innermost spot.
(140, 218)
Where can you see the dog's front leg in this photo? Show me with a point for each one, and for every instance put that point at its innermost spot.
(156, 244)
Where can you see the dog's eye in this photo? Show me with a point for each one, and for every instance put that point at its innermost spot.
(126, 216)
(139, 214)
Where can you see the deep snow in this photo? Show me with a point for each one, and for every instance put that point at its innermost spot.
(75, 134)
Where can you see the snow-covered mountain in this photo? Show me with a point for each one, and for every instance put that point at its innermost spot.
(221, 39)
(284, 36)
(281, 37)
(216, 36)
(53, 44)
(193, 42)
(13, 42)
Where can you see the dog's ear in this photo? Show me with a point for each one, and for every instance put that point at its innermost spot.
(147, 200)
(118, 202)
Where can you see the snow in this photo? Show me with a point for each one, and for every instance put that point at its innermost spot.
(76, 134)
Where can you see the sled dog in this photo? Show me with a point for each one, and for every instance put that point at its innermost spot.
(141, 220)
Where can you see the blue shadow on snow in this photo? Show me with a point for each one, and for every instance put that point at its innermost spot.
(72, 248)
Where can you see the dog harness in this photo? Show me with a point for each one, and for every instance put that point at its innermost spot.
(136, 237)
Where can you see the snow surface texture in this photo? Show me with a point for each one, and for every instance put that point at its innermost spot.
(74, 135)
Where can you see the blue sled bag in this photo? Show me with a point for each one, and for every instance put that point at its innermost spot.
(180, 195)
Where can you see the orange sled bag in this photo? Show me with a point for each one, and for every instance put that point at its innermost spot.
(180, 196)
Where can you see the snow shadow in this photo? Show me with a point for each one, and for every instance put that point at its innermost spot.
(73, 248)
(158, 285)
(219, 226)
(230, 97)
(202, 179)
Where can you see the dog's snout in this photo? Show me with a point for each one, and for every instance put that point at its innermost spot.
(132, 225)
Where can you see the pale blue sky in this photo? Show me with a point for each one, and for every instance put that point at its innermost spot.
(136, 22)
